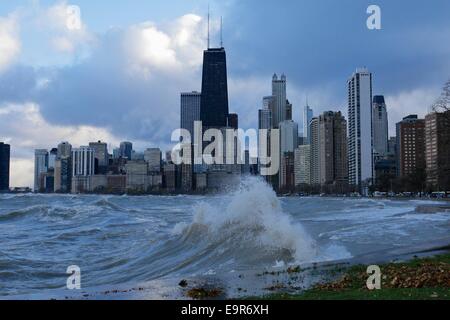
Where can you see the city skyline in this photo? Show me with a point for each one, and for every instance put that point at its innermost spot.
(290, 142)
(38, 105)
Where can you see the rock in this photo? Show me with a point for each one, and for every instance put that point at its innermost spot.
(183, 283)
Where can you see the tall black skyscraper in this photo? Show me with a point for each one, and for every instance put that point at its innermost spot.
(214, 100)
(4, 166)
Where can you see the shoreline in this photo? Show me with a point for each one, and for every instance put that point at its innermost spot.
(212, 193)
(426, 278)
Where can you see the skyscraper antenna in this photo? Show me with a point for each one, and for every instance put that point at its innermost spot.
(208, 26)
(221, 32)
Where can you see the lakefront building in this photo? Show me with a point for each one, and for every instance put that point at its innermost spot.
(380, 126)
(190, 111)
(307, 117)
(288, 136)
(214, 98)
(333, 150)
(410, 146)
(64, 149)
(437, 141)
(5, 151)
(360, 140)
(302, 165)
(83, 165)
(315, 147)
(40, 168)
(125, 150)
(101, 156)
(153, 156)
(279, 100)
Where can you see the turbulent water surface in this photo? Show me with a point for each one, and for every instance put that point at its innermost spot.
(143, 246)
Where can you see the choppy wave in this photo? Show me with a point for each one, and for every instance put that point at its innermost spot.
(121, 239)
(249, 224)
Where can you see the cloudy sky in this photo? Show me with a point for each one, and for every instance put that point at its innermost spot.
(118, 76)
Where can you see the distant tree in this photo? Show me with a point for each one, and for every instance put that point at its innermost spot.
(417, 181)
(385, 182)
(442, 104)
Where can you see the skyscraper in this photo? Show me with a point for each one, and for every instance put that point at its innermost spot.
(360, 140)
(289, 110)
(410, 145)
(63, 174)
(302, 165)
(83, 165)
(5, 151)
(287, 174)
(233, 121)
(437, 128)
(214, 97)
(52, 155)
(279, 100)
(126, 149)
(265, 115)
(64, 150)
(392, 147)
(380, 126)
(100, 153)
(288, 136)
(269, 104)
(333, 149)
(315, 144)
(40, 168)
(264, 119)
(83, 161)
(307, 117)
(190, 111)
(265, 123)
(153, 156)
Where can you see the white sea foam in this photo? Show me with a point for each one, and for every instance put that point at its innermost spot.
(250, 217)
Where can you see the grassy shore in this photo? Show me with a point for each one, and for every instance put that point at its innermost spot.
(418, 279)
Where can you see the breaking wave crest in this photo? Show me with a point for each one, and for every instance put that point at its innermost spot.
(249, 225)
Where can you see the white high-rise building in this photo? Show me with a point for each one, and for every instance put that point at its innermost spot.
(190, 111)
(302, 165)
(380, 126)
(288, 136)
(307, 117)
(83, 162)
(280, 101)
(314, 151)
(40, 167)
(360, 132)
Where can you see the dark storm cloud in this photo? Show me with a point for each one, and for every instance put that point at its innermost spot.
(321, 42)
(318, 44)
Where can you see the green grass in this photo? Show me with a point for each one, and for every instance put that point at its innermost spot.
(354, 288)
(361, 294)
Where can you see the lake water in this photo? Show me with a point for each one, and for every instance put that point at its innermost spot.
(126, 242)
